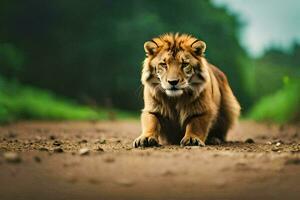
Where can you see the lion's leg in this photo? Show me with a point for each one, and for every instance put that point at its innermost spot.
(150, 131)
(196, 131)
(218, 132)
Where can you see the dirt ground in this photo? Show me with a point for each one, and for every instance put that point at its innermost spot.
(95, 160)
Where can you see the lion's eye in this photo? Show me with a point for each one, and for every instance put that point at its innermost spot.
(187, 69)
(164, 65)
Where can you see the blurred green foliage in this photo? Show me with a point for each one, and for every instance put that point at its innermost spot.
(276, 86)
(282, 106)
(272, 67)
(22, 102)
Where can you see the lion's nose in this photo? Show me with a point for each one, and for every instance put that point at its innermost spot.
(173, 82)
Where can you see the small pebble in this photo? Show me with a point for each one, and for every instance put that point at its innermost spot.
(275, 149)
(278, 144)
(43, 149)
(37, 159)
(12, 157)
(57, 143)
(84, 151)
(295, 151)
(83, 141)
(249, 141)
(268, 142)
(52, 137)
(109, 159)
(277, 141)
(103, 142)
(98, 149)
(58, 150)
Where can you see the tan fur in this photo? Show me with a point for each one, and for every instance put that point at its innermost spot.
(199, 109)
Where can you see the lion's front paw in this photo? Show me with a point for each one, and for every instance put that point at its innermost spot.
(191, 141)
(143, 141)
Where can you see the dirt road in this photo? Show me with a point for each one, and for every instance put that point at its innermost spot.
(95, 160)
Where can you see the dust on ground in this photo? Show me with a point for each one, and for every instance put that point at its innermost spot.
(95, 160)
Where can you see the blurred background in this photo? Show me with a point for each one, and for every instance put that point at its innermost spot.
(82, 60)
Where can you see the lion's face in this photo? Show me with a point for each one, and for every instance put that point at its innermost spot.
(174, 64)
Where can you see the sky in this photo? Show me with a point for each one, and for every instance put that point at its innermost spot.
(267, 22)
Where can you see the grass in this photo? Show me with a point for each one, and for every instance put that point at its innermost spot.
(272, 78)
(282, 106)
(21, 102)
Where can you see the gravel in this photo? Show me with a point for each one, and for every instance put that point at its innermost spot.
(12, 157)
(84, 151)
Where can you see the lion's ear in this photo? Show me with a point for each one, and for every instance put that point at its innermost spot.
(150, 47)
(198, 47)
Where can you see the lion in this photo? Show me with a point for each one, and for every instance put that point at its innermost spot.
(187, 100)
